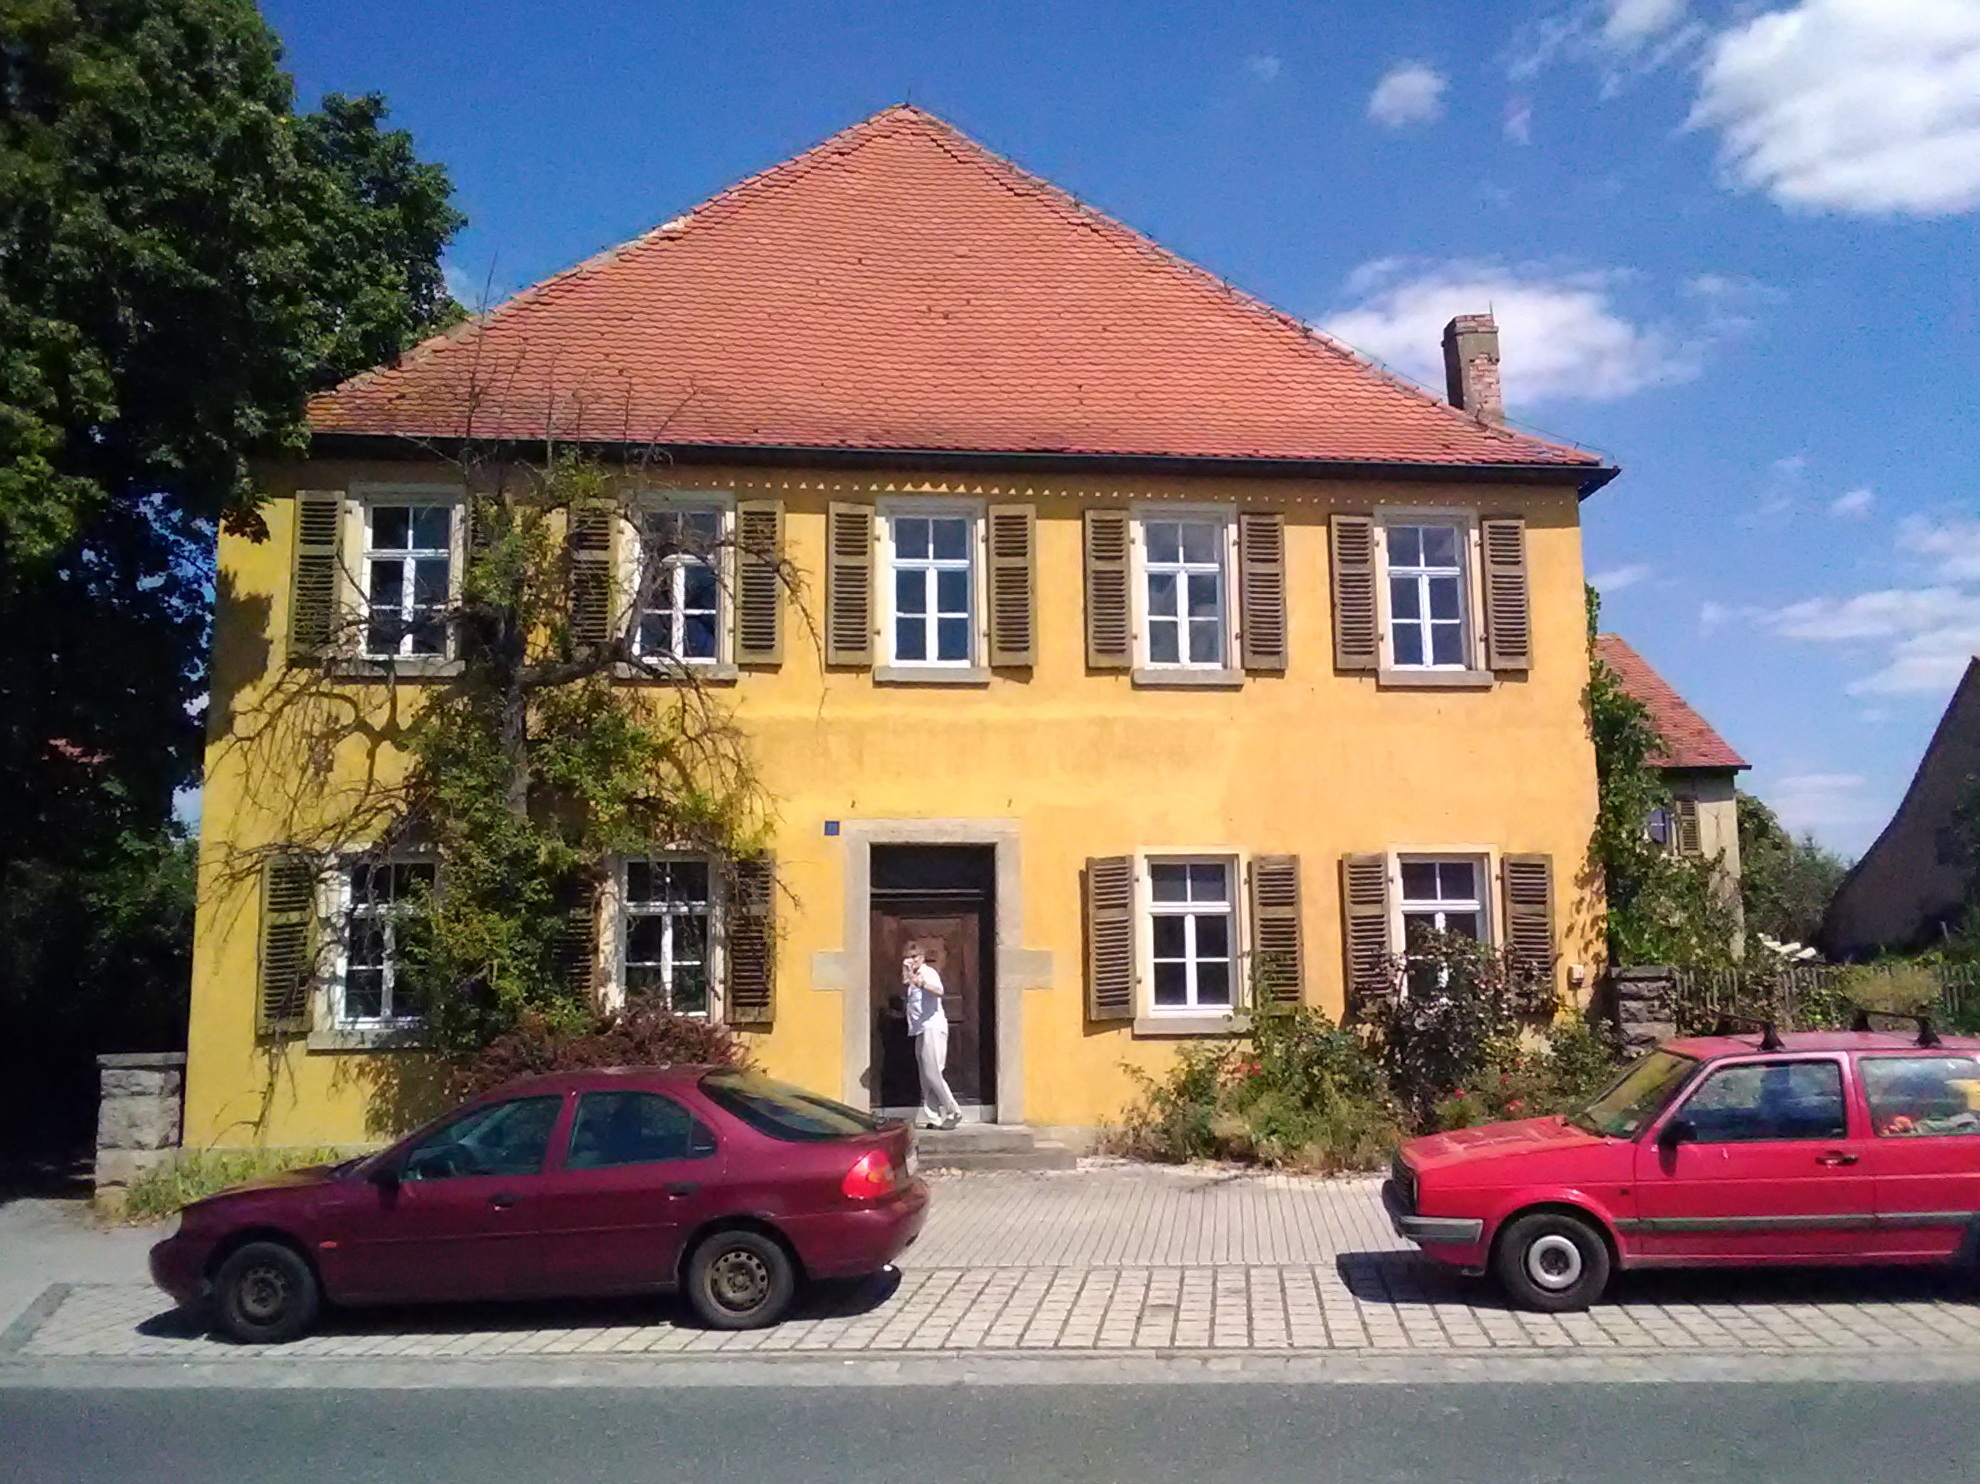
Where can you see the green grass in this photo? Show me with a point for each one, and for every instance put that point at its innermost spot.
(198, 1173)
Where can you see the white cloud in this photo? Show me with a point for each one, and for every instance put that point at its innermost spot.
(1632, 22)
(1409, 93)
(1519, 120)
(1953, 544)
(1264, 68)
(1562, 336)
(1853, 504)
(1821, 801)
(1927, 634)
(1868, 106)
(1615, 579)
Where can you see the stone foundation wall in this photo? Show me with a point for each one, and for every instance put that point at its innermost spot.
(138, 1118)
(1643, 1002)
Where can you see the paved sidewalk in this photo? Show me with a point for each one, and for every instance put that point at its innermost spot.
(1120, 1261)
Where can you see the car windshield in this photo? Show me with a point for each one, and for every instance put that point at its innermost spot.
(1636, 1097)
(782, 1111)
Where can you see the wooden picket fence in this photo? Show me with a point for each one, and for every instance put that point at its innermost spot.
(1824, 996)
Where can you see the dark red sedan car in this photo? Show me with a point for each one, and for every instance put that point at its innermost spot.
(725, 1185)
(1838, 1148)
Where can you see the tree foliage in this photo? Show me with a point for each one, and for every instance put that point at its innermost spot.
(1785, 884)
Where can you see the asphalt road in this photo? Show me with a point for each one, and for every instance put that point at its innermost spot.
(1257, 1433)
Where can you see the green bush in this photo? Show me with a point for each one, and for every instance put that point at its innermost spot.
(197, 1174)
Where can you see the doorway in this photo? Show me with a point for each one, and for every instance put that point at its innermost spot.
(942, 897)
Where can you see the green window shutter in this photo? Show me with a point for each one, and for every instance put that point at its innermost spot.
(288, 945)
(1013, 585)
(759, 598)
(749, 989)
(1508, 611)
(315, 576)
(848, 584)
(1529, 900)
(1365, 924)
(1278, 964)
(1110, 938)
(1357, 621)
(1262, 590)
(1109, 620)
(594, 529)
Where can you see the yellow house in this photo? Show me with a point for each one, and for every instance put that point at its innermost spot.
(1150, 651)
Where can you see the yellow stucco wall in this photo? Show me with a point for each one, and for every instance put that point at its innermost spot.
(1314, 763)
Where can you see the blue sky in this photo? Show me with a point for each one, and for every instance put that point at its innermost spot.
(1732, 246)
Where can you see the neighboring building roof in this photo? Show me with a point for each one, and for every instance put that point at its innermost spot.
(899, 287)
(1912, 883)
(1689, 741)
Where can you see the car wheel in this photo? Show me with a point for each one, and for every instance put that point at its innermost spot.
(265, 1294)
(1552, 1262)
(740, 1280)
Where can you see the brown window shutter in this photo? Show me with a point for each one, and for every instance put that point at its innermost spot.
(1278, 966)
(1109, 627)
(288, 944)
(1013, 585)
(1357, 626)
(594, 541)
(1110, 937)
(1529, 894)
(759, 603)
(750, 979)
(1365, 923)
(1687, 827)
(577, 947)
(849, 584)
(314, 577)
(1262, 589)
(1508, 613)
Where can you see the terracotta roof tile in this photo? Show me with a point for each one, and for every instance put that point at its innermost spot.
(901, 287)
(1688, 737)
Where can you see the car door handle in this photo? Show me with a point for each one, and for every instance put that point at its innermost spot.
(503, 1199)
(681, 1188)
(1835, 1157)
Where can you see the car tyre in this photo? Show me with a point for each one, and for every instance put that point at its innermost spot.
(1552, 1262)
(265, 1294)
(740, 1280)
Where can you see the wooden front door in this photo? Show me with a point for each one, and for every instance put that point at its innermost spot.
(950, 933)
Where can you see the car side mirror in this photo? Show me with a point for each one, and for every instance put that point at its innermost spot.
(1677, 1131)
(386, 1174)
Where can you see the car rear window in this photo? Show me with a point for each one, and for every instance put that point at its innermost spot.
(783, 1111)
(1920, 1096)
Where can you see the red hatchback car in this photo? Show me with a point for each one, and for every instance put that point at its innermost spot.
(1840, 1148)
(724, 1184)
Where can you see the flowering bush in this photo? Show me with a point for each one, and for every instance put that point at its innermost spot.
(632, 1038)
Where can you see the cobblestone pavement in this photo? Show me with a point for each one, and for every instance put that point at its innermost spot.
(1120, 1261)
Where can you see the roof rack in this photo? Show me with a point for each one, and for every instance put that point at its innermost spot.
(1927, 1036)
(1770, 1039)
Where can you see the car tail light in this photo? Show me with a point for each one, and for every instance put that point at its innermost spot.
(870, 1178)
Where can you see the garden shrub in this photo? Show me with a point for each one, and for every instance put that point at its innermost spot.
(635, 1037)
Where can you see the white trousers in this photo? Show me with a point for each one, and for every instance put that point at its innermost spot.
(931, 1054)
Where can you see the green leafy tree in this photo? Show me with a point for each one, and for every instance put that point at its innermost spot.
(1785, 884)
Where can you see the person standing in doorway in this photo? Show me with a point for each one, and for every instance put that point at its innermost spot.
(930, 1028)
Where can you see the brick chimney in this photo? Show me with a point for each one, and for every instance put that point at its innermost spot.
(1471, 366)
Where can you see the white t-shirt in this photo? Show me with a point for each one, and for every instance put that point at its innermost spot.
(924, 999)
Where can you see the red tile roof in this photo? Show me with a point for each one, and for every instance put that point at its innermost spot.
(901, 287)
(1689, 741)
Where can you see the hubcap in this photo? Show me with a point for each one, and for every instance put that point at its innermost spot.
(739, 1280)
(1554, 1263)
(264, 1294)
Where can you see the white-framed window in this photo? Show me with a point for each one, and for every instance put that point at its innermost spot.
(931, 584)
(1428, 592)
(679, 584)
(667, 938)
(1184, 592)
(407, 570)
(376, 901)
(1442, 894)
(1192, 927)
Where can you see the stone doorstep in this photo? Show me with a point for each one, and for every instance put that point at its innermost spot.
(989, 1146)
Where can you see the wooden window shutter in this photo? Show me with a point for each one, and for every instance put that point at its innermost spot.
(1013, 585)
(577, 947)
(759, 604)
(1277, 964)
(1508, 613)
(594, 543)
(1262, 589)
(750, 979)
(1357, 625)
(314, 577)
(1110, 937)
(288, 945)
(1109, 626)
(1529, 895)
(1365, 923)
(1687, 827)
(848, 584)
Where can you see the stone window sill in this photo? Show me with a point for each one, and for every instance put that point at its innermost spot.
(1191, 1025)
(1434, 679)
(706, 673)
(368, 1038)
(1186, 679)
(930, 675)
(429, 667)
